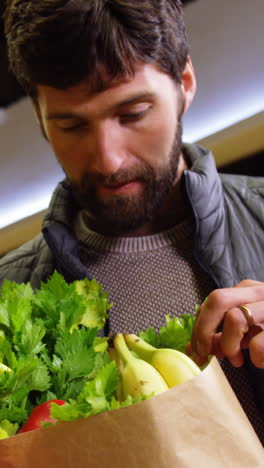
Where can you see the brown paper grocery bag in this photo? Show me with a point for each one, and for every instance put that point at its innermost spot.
(197, 424)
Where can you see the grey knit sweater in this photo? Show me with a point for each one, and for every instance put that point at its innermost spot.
(149, 277)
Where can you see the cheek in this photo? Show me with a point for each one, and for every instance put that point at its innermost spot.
(157, 140)
(68, 154)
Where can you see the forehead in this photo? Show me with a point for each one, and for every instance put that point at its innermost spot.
(146, 79)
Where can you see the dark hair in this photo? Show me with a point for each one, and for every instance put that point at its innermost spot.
(58, 43)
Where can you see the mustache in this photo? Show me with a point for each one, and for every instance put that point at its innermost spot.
(120, 177)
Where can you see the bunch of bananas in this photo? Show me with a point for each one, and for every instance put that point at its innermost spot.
(152, 370)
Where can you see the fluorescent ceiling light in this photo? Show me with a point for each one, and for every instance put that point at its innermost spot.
(193, 131)
(24, 210)
(197, 131)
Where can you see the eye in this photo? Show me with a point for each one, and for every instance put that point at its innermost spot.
(133, 116)
(70, 125)
(71, 128)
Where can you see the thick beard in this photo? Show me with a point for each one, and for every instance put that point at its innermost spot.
(122, 214)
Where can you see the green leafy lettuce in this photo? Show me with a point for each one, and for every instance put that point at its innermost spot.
(176, 333)
(50, 349)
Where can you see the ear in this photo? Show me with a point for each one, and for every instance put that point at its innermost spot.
(188, 83)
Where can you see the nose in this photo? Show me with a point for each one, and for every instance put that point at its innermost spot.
(108, 152)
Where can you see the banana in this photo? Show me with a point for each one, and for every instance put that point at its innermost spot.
(115, 357)
(174, 366)
(139, 378)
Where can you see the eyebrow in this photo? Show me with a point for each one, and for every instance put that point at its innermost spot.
(126, 102)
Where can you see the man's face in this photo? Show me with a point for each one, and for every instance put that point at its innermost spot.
(120, 147)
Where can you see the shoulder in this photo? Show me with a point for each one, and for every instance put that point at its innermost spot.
(244, 190)
(32, 262)
(243, 183)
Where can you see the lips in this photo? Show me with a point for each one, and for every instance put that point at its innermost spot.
(127, 187)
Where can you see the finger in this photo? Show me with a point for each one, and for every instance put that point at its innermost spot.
(197, 359)
(255, 314)
(188, 349)
(215, 351)
(256, 350)
(236, 334)
(234, 329)
(253, 331)
(213, 310)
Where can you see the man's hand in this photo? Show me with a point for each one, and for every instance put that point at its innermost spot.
(221, 310)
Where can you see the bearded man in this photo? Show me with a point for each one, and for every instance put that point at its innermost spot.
(140, 210)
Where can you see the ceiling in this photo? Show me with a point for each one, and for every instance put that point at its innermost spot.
(226, 41)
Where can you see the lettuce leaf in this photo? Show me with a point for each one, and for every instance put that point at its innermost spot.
(96, 301)
(97, 396)
(50, 349)
(7, 429)
(94, 398)
(176, 333)
(49, 346)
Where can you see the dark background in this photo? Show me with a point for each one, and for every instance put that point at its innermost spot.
(252, 165)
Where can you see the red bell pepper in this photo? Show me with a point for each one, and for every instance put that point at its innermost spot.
(39, 414)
